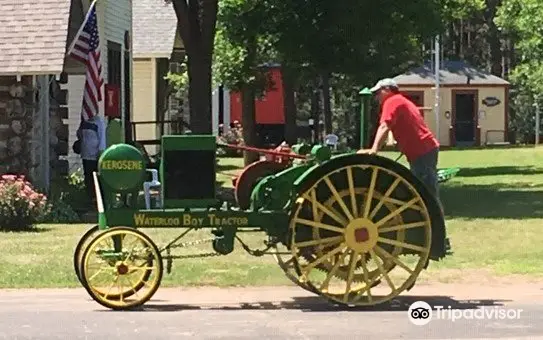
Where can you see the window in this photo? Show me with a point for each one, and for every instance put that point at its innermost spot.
(114, 60)
(417, 97)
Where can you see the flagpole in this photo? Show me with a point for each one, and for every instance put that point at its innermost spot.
(437, 83)
(81, 27)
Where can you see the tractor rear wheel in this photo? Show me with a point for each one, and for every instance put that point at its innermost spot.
(361, 230)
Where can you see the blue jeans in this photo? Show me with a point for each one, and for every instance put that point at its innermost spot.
(425, 168)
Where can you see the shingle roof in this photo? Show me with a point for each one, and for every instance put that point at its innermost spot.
(33, 36)
(154, 28)
(452, 72)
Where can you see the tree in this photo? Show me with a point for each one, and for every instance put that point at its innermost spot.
(320, 40)
(243, 46)
(196, 20)
(523, 20)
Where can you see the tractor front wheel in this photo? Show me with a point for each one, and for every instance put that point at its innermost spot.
(121, 268)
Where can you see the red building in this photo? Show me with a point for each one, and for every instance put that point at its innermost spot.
(270, 113)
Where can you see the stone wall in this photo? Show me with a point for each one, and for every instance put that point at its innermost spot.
(16, 121)
(21, 130)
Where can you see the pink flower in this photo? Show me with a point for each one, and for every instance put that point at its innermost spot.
(9, 177)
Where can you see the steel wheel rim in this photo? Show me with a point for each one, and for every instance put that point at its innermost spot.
(83, 242)
(112, 293)
(289, 269)
(360, 294)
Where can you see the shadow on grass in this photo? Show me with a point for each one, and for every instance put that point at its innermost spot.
(494, 201)
(317, 304)
(38, 230)
(499, 171)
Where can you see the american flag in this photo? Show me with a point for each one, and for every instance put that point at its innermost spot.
(85, 48)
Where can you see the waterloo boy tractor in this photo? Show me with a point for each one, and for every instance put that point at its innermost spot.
(354, 229)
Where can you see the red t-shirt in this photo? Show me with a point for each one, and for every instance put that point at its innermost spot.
(403, 118)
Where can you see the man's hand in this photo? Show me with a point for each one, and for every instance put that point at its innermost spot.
(367, 151)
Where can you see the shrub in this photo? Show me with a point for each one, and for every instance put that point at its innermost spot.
(233, 136)
(21, 206)
(68, 199)
(60, 211)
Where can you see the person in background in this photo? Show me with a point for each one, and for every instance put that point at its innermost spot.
(414, 139)
(92, 137)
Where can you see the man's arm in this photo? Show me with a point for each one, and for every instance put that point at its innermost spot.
(380, 137)
(388, 117)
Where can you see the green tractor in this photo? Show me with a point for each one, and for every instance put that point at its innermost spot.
(355, 229)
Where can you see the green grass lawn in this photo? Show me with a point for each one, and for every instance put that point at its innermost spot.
(494, 209)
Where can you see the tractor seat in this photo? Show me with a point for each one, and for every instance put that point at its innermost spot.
(155, 184)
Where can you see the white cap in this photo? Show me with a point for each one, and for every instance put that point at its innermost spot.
(387, 82)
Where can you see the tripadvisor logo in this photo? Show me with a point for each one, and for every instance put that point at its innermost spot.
(421, 313)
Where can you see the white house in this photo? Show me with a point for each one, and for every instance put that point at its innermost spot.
(158, 48)
(41, 88)
(114, 26)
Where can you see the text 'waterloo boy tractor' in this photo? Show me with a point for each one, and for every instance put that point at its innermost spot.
(355, 229)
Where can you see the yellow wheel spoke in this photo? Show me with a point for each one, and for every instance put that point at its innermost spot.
(133, 246)
(352, 267)
(400, 202)
(103, 266)
(335, 239)
(382, 270)
(352, 191)
(367, 281)
(314, 207)
(338, 198)
(369, 196)
(388, 256)
(323, 258)
(402, 244)
(101, 270)
(111, 286)
(119, 287)
(319, 225)
(328, 211)
(132, 286)
(138, 268)
(396, 212)
(367, 289)
(331, 273)
(402, 227)
(385, 196)
(289, 262)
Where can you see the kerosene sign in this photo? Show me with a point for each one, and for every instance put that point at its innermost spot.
(491, 101)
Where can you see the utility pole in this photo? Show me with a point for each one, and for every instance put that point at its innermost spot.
(437, 66)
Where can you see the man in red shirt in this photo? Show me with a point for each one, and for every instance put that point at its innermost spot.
(402, 117)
